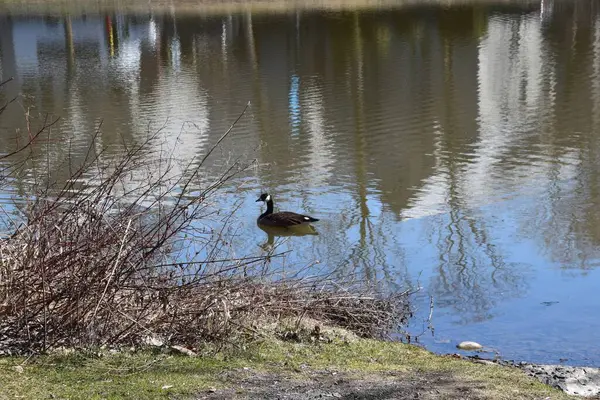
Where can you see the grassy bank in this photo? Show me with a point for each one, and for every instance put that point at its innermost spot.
(361, 368)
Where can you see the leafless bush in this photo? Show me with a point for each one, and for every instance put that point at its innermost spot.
(100, 263)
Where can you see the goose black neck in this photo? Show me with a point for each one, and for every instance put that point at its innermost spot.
(269, 207)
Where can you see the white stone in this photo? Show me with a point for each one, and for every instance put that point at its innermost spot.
(469, 346)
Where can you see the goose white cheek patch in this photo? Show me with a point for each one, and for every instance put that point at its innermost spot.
(268, 198)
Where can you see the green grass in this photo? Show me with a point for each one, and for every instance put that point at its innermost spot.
(138, 375)
(152, 375)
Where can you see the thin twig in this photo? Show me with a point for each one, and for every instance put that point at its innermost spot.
(113, 270)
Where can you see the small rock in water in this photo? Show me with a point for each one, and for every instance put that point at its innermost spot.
(549, 303)
(469, 346)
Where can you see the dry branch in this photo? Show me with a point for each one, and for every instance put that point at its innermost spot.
(100, 265)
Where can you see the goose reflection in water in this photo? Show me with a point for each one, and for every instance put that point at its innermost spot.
(279, 231)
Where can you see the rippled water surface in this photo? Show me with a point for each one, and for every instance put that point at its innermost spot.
(455, 148)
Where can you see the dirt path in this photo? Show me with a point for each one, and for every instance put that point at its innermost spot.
(332, 385)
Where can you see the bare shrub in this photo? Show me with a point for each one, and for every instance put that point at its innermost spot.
(97, 261)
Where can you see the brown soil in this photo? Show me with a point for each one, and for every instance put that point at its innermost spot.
(332, 385)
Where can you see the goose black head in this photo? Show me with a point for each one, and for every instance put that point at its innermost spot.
(264, 197)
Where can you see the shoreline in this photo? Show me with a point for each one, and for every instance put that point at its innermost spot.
(331, 366)
(285, 361)
(573, 380)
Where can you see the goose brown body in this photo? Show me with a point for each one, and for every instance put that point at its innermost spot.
(283, 218)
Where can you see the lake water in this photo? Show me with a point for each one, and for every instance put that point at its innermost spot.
(456, 148)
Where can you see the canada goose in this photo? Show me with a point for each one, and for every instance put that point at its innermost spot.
(284, 218)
